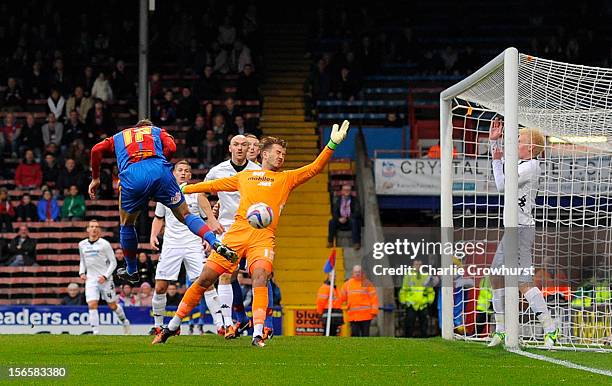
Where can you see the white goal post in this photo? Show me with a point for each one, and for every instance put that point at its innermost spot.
(572, 253)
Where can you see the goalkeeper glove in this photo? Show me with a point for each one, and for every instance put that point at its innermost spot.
(338, 134)
(182, 186)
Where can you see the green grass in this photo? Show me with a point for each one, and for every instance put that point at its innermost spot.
(289, 360)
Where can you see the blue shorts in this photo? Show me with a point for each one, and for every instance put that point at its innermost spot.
(146, 180)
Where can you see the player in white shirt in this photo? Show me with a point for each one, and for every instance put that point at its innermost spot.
(531, 144)
(96, 268)
(228, 288)
(180, 246)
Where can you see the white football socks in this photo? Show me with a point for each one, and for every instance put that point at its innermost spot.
(226, 298)
(258, 330)
(538, 305)
(214, 306)
(120, 313)
(94, 320)
(159, 308)
(499, 306)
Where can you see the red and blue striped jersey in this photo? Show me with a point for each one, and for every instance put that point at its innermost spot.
(137, 143)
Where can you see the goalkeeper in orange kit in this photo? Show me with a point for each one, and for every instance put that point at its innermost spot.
(271, 187)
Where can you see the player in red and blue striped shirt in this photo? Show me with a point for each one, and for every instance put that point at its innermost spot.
(142, 154)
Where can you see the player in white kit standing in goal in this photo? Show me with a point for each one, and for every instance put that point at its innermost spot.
(228, 288)
(97, 265)
(180, 246)
(531, 144)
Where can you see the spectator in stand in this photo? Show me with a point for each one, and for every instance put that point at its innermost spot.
(195, 136)
(227, 34)
(120, 263)
(50, 170)
(435, 151)
(86, 81)
(26, 210)
(102, 89)
(220, 59)
(248, 85)
(368, 55)
(56, 104)
(10, 131)
(48, 210)
(79, 103)
(345, 88)
(12, 99)
(115, 177)
(157, 91)
(73, 129)
(145, 268)
(209, 114)
(361, 300)
(28, 174)
(74, 205)
(120, 81)
(173, 298)
(30, 137)
(239, 57)
(52, 131)
(220, 130)
(346, 214)
(74, 296)
(242, 127)
(145, 296)
(22, 249)
(69, 176)
(210, 152)
(230, 111)
(59, 79)
(317, 87)
(99, 123)
(7, 212)
(127, 297)
(188, 107)
(165, 110)
(79, 154)
(37, 82)
(207, 87)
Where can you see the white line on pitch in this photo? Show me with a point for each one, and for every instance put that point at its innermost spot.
(563, 363)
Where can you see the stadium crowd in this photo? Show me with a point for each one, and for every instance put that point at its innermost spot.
(56, 102)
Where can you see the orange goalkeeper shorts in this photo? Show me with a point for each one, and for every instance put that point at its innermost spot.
(257, 246)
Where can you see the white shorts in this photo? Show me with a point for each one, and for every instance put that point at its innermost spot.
(93, 291)
(170, 260)
(526, 238)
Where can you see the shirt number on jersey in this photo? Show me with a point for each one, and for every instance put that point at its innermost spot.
(138, 135)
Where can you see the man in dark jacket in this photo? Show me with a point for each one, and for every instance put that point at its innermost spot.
(74, 296)
(346, 214)
(22, 249)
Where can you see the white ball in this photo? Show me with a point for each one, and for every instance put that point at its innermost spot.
(260, 215)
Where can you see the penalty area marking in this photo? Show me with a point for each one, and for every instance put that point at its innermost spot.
(563, 363)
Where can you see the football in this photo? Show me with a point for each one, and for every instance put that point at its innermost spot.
(260, 215)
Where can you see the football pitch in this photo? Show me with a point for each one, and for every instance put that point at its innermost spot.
(289, 360)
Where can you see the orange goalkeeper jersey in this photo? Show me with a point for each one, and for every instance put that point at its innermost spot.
(269, 187)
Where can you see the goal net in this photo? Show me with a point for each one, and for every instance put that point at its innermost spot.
(572, 248)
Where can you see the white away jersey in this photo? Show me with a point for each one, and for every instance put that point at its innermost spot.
(177, 234)
(528, 180)
(228, 201)
(97, 259)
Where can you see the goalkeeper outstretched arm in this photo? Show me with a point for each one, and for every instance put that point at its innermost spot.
(228, 184)
(305, 173)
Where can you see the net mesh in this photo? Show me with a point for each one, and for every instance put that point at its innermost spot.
(572, 106)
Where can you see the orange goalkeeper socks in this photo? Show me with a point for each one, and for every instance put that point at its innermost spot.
(260, 304)
(190, 300)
